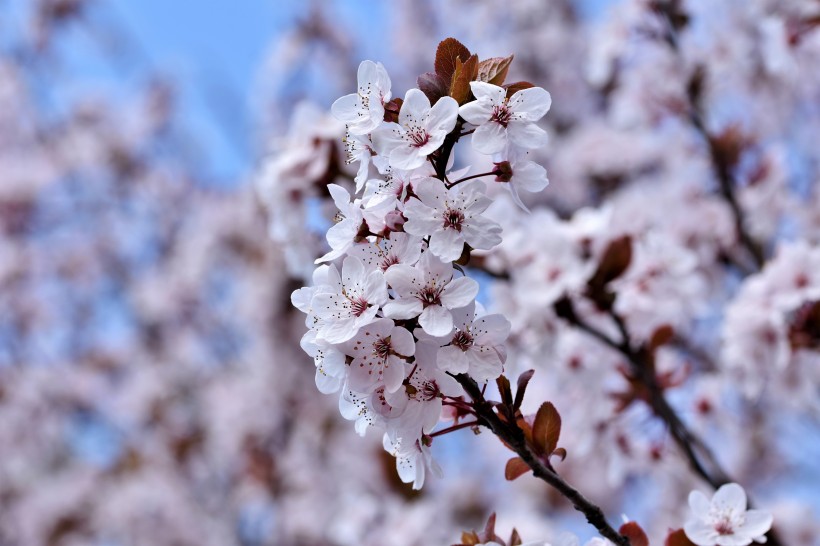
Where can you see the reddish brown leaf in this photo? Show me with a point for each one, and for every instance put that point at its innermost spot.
(489, 529)
(634, 533)
(504, 389)
(432, 85)
(678, 538)
(516, 467)
(546, 429)
(523, 381)
(513, 88)
(660, 337)
(462, 76)
(560, 452)
(494, 70)
(515, 538)
(448, 51)
(469, 539)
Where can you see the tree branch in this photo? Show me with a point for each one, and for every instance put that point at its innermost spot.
(512, 435)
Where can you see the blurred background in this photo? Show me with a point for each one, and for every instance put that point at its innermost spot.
(152, 388)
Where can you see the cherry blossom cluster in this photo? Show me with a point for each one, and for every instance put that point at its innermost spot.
(393, 317)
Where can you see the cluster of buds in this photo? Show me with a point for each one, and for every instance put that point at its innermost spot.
(397, 321)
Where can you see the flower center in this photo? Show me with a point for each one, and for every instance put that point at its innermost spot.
(501, 115)
(382, 347)
(462, 339)
(426, 391)
(430, 295)
(418, 138)
(358, 306)
(387, 261)
(453, 218)
(724, 527)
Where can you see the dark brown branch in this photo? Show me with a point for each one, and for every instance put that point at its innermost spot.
(512, 435)
(722, 169)
(701, 459)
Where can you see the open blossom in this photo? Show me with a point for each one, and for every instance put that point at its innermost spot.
(379, 351)
(413, 460)
(521, 174)
(419, 401)
(724, 520)
(451, 218)
(430, 292)
(503, 120)
(348, 301)
(475, 345)
(420, 131)
(330, 362)
(383, 254)
(341, 235)
(363, 111)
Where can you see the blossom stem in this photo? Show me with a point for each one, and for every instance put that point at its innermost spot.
(466, 178)
(453, 428)
(513, 436)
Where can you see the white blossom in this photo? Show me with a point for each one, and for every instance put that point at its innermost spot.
(724, 520)
(502, 121)
(428, 291)
(420, 131)
(363, 111)
(451, 218)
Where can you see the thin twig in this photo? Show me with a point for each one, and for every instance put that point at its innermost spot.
(512, 435)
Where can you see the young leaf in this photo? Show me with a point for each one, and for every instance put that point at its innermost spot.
(560, 452)
(462, 76)
(523, 381)
(546, 429)
(661, 336)
(634, 533)
(494, 70)
(516, 467)
(513, 88)
(469, 539)
(489, 529)
(504, 389)
(515, 538)
(678, 538)
(448, 51)
(432, 85)
(615, 261)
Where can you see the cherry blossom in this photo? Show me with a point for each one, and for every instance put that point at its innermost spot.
(383, 254)
(348, 301)
(349, 220)
(428, 291)
(420, 131)
(413, 460)
(520, 174)
(475, 346)
(363, 111)
(724, 520)
(451, 218)
(503, 121)
(379, 352)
